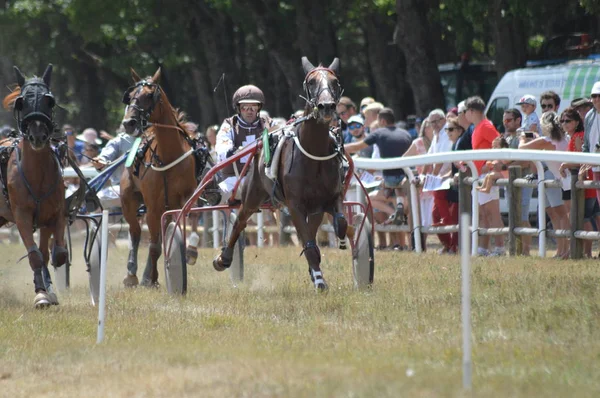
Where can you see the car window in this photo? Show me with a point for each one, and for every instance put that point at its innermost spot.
(496, 112)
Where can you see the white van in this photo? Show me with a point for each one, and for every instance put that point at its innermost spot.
(570, 80)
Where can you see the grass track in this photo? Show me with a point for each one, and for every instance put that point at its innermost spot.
(536, 328)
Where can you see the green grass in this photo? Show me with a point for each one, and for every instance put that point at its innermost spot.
(536, 331)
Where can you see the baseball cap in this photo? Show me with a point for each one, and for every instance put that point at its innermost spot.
(528, 99)
(461, 107)
(356, 119)
(596, 88)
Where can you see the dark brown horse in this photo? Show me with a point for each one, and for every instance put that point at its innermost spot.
(35, 192)
(309, 178)
(165, 178)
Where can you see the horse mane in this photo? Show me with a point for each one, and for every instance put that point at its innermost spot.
(180, 116)
(10, 99)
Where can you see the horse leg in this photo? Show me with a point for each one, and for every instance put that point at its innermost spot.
(340, 224)
(45, 234)
(307, 233)
(129, 205)
(150, 277)
(223, 260)
(24, 222)
(59, 248)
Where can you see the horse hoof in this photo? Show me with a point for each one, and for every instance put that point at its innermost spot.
(59, 256)
(148, 283)
(53, 298)
(342, 244)
(130, 281)
(42, 300)
(322, 287)
(219, 265)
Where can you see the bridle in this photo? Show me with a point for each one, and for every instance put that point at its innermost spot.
(47, 118)
(143, 115)
(310, 98)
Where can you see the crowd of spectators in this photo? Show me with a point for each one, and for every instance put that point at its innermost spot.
(466, 127)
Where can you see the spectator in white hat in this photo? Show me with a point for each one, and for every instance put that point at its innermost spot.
(531, 121)
(90, 136)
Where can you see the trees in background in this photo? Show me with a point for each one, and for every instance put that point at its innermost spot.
(388, 49)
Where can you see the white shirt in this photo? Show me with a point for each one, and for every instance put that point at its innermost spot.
(441, 143)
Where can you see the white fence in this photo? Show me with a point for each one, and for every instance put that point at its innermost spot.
(468, 157)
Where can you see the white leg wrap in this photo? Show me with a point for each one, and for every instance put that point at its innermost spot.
(317, 276)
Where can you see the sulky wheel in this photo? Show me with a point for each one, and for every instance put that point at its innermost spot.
(175, 264)
(236, 270)
(363, 255)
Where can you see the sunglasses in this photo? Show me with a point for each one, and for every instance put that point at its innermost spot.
(565, 121)
(246, 108)
(547, 106)
(451, 129)
(354, 126)
(595, 95)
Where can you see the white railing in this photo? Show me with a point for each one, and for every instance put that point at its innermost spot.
(468, 157)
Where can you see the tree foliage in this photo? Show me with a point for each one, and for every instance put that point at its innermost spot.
(94, 43)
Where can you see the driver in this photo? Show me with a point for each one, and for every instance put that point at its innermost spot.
(239, 130)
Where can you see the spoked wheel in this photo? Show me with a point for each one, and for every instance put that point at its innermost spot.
(236, 270)
(175, 264)
(62, 274)
(363, 255)
(94, 264)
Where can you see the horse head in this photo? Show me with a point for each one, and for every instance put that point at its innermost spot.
(33, 108)
(322, 89)
(141, 100)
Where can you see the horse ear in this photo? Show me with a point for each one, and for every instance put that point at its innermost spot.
(335, 65)
(156, 77)
(20, 77)
(136, 78)
(47, 75)
(306, 65)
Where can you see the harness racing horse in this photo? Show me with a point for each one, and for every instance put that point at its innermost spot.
(31, 180)
(164, 177)
(309, 173)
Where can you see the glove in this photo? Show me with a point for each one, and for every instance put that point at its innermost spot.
(531, 177)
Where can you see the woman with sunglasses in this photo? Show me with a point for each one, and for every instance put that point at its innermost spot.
(554, 139)
(572, 123)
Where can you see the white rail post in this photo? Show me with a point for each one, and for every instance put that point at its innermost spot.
(215, 229)
(475, 209)
(541, 210)
(466, 299)
(103, 258)
(414, 208)
(260, 228)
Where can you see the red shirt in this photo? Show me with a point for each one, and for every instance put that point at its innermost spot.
(482, 138)
(589, 193)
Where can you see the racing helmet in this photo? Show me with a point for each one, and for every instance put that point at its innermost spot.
(248, 94)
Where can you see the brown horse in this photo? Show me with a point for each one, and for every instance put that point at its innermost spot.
(35, 193)
(165, 177)
(310, 179)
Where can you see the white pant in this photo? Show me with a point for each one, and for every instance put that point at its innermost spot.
(227, 186)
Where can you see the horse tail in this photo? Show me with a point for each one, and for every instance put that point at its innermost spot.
(9, 100)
